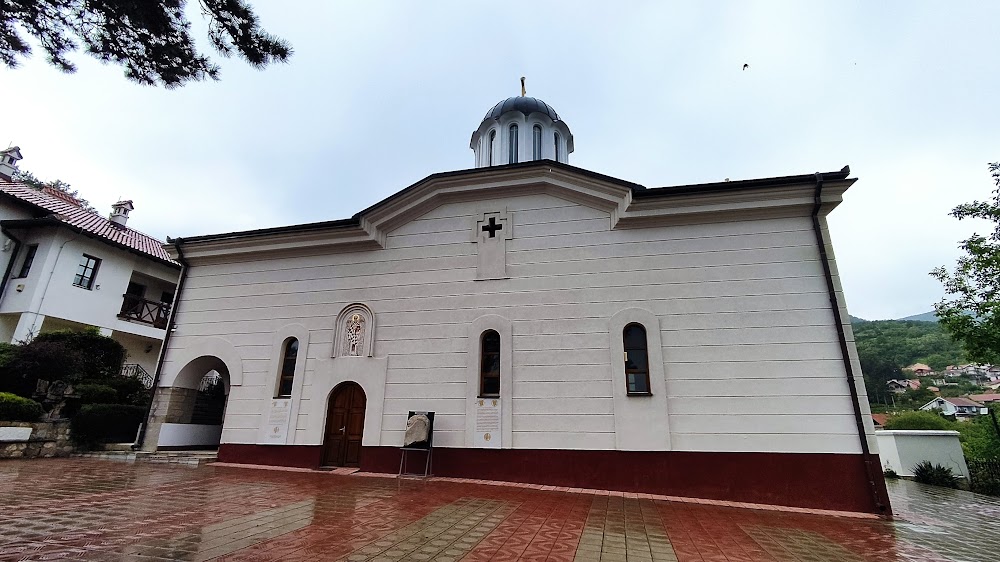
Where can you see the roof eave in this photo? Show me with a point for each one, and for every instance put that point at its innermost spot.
(51, 220)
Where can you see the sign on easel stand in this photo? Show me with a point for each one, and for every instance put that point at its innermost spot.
(419, 436)
(487, 423)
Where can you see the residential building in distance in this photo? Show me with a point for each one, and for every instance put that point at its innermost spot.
(899, 386)
(958, 407)
(919, 369)
(66, 267)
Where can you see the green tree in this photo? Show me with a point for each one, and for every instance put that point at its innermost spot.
(972, 313)
(919, 420)
(26, 177)
(151, 39)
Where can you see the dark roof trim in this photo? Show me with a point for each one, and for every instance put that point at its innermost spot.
(638, 192)
(37, 209)
(325, 225)
(738, 185)
(51, 220)
(491, 169)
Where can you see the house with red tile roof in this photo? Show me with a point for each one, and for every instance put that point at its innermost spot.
(66, 267)
(985, 398)
(919, 369)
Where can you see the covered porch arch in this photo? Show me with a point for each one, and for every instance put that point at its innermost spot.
(189, 406)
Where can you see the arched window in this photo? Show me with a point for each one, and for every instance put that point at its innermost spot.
(489, 370)
(512, 157)
(493, 139)
(636, 359)
(555, 142)
(291, 352)
(536, 142)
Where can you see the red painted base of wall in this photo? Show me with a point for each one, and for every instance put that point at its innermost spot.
(818, 481)
(298, 456)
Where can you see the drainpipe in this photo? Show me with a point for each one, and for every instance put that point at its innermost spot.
(844, 348)
(10, 264)
(141, 438)
(52, 272)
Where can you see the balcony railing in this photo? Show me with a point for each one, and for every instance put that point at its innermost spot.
(138, 309)
(136, 371)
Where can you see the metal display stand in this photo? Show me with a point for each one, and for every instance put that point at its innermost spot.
(421, 446)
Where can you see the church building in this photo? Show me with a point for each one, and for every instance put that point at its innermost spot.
(564, 327)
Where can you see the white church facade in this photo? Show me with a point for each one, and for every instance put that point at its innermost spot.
(565, 327)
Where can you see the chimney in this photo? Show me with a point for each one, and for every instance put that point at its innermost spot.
(8, 162)
(119, 212)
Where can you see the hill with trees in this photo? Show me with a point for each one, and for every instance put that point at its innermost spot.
(886, 346)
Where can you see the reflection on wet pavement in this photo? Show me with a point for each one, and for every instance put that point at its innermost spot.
(85, 509)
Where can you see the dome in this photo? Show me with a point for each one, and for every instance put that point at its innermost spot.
(520, 129)
(525, 105)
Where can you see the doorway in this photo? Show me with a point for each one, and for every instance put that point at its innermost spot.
(345, 423)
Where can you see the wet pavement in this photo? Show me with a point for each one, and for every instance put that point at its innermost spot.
(85, 509)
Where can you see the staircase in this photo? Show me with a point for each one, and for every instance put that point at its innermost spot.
(190, 458)
(124, 452)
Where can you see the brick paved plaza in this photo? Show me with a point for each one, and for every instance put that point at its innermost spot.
(86, 509)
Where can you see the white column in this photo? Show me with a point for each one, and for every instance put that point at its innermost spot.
(28, 326)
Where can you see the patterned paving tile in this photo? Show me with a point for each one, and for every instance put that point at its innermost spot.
(85, 509)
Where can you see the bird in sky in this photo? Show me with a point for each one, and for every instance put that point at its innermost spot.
(746, 66)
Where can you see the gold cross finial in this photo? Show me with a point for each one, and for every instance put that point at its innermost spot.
(523, 91)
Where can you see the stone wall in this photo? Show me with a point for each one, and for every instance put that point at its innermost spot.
(48, 439)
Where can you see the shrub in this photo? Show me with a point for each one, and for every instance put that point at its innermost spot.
(934, 474)
(984, 475)
(890, 474)
(110, 423)
(8, 352)
(16, 408)
(919, 420)
(130, 390)
(39, 360)
(96, 394)
(99, 356)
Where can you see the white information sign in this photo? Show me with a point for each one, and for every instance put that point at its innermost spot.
(487, 423)
(277, 421)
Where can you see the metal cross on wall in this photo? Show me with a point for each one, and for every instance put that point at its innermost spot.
(490, 232)
(493, 227)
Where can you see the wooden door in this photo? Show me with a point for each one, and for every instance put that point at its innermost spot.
(345, 423)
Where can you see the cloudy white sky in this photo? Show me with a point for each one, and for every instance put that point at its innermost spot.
(380, 94)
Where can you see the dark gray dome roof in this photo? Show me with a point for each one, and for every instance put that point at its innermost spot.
(525, 105)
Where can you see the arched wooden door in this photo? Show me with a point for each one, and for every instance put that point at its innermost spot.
(345, 423)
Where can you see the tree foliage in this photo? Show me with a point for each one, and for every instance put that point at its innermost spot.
(150, 39)
(75, 357)
(972, 313)
(28, 178)
(886, 346)
(919, 420)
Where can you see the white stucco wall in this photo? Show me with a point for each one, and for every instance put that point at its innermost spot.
(48, 289)
(750, 355)
(901, 450)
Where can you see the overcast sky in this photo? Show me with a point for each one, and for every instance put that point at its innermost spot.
(379, 95)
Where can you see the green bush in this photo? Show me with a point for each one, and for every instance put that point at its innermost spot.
(8, 352)
(130, 390)
(919, 420)
(39, 360)
(890, 474)
(99, 356)
(108, 423)
(96, 394)
(934, 474)
(74, 357)
(16, 408)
